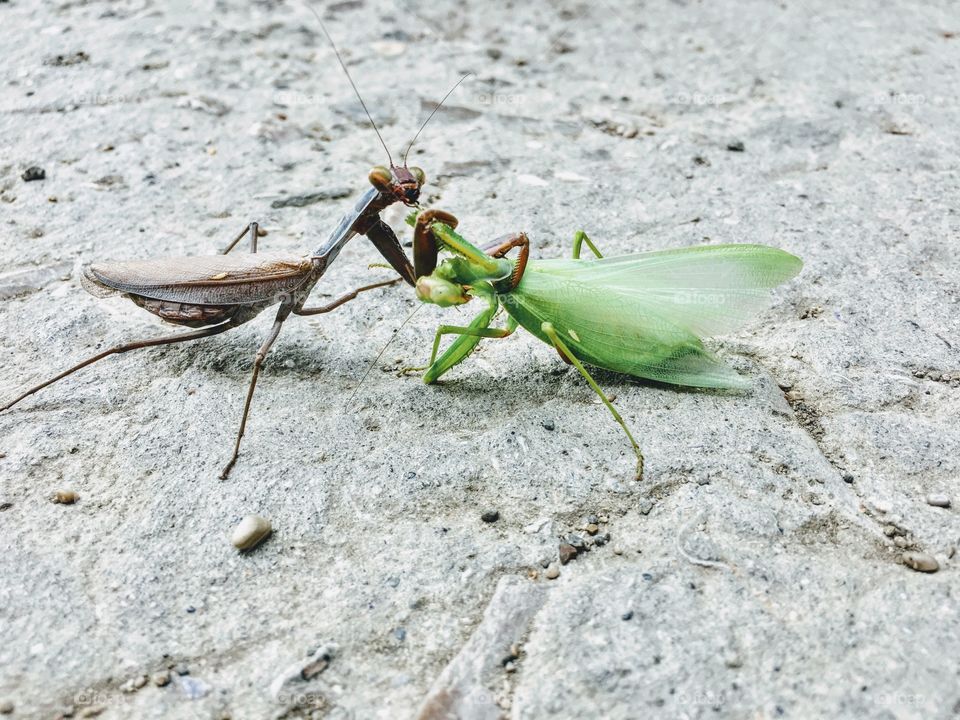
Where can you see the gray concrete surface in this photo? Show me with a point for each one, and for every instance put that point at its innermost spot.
(754, 573)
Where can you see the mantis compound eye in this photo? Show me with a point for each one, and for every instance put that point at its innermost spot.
(440, 292)
(381, 178)
(419, 175)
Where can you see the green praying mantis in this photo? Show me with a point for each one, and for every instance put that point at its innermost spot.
(643, 314)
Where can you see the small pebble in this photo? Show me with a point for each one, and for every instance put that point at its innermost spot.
(591, 520)
(33, 173)
(591, 529)
(735, 146)
(250, 532)
(601, 539)
(732, 660)
(553, 572)
(181, 669)
(921, 562)
(575, 540)
(161, 679)
(618, 550)
(490, 516)
(6, 707)
(567, 553)
(628, 615)
(848, 477)
(941, 501)
(65, 497)
(548, 424)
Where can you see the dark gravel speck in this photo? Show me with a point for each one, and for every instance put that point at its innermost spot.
(490, 516)
(33, 173)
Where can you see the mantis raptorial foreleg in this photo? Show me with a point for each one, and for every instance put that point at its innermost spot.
(578, 239)
(551, 332)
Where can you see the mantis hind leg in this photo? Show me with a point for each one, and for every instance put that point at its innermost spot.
(579, 238)
(561, 347)
(127, 347)
(252, 231)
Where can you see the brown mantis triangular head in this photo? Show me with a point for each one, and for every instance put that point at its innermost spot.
(402, 183)
(405, 182)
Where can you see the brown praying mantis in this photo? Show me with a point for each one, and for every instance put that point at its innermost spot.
(216, 293)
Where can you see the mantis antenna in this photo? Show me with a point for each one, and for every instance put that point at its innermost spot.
(430, 116)
(352, 83)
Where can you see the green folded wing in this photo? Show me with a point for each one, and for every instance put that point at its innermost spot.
(645, 314)
(708, 289)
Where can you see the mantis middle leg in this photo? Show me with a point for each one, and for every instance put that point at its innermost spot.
(561, 347)
(579, 238)
(282, 315)
(344, 298)
(469, 338)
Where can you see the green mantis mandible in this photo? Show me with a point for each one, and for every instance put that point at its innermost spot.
(642, 315)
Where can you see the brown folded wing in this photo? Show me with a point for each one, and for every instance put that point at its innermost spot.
(204, 280)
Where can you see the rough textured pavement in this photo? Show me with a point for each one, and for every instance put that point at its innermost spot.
(754, 573)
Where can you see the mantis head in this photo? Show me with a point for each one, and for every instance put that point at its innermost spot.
(402, 183)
